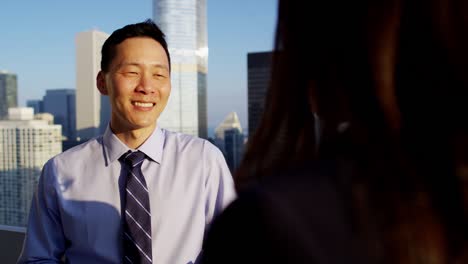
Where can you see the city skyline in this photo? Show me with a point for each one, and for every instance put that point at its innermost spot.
(40, 49)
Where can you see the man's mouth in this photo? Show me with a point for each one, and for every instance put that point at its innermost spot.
(143, 104)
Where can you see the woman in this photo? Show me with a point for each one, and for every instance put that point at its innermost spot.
(387, 183)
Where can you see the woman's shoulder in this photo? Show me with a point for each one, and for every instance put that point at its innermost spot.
(293, 216)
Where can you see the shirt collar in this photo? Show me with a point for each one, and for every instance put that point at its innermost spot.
(152, 147)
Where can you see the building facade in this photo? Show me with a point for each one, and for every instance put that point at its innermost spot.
(25, 145)
(61, 103)
(184, 24)
(258, 78)
(233, 147)
(92, 109)
(8, 92)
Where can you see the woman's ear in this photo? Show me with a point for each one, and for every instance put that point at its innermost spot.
(101, 83)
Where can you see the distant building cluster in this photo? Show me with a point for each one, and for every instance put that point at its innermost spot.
(61, 104)
(229, 136)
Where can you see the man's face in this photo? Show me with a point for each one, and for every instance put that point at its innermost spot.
(138, 84)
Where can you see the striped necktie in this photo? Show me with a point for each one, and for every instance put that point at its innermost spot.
(137, 222)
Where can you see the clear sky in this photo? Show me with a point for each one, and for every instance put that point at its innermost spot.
(37, 42)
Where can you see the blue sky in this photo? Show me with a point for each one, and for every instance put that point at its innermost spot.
(38, 43)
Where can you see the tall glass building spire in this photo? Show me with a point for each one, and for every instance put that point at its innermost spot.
(184, 23)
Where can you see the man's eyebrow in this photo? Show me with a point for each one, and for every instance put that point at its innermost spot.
(162, 66)
(156, 65)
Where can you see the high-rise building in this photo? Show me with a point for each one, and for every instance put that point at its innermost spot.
(258, 78)
(37, 105)
(25, 145)
(184, 24)
(230, 140)
(92, 109)
(8, 92)
(61, 104)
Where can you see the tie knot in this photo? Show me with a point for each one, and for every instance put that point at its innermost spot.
(133, 159)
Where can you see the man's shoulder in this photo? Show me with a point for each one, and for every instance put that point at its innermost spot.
(181, 137)
(189, 143)
(81, 151)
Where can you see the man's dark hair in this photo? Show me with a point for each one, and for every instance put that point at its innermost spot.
(144, 29)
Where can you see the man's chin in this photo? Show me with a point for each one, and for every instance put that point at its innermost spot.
(144, 125)
(134, 126)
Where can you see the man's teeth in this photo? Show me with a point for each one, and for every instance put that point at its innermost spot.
(143, 104)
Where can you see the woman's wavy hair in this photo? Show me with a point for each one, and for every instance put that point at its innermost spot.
(388, 80)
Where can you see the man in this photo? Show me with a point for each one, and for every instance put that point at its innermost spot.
(138, 193)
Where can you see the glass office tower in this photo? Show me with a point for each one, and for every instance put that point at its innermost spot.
(184, 24)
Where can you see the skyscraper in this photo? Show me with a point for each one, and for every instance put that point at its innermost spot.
(8, 92)
(184, 24)
(258, 76)
(25, 146)
(92, 113)
(230, 121)
(61, 104)
(234, 147)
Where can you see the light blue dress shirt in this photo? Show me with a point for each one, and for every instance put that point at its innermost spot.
(76, 210)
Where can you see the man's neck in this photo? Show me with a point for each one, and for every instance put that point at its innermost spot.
(134, 138)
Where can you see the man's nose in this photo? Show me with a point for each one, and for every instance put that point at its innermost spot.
(146, 84)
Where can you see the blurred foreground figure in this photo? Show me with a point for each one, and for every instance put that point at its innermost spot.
(387, 183)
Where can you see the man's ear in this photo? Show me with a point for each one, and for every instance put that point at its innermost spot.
(101, 83)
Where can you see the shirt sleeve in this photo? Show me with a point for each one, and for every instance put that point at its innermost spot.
(44, 241)
(219, 183)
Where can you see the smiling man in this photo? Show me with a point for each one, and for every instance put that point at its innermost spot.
(138, 193)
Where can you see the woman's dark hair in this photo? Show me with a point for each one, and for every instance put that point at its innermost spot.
(394, 73)
(144, 29)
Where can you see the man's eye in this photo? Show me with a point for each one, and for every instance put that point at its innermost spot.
(159, 75)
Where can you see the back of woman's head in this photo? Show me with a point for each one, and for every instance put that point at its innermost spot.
(394, 73)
